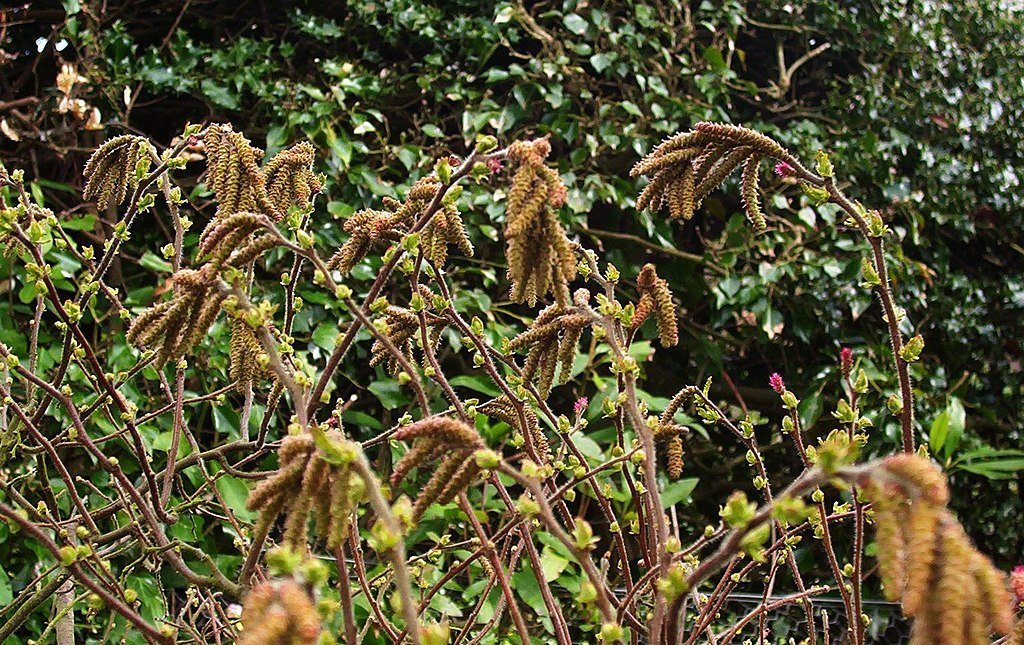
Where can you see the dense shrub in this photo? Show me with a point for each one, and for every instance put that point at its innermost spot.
(913, 103)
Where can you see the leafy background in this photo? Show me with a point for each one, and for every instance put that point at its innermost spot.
(918, 103)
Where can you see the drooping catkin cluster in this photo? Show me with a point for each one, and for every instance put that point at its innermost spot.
(552, 339)
(656, 299)
(115, 167)
(279, 612)
(234, 175)
(670, 435)
(445, 227)
(174, 326)
(245, 366)
(402, 328)
(443, 439)
(368, 228)
(225, 234)
(926, 561)
(686, 167)
(539, 253)
(503, 409)
(246, 193)
(290, 180)
(306, 482)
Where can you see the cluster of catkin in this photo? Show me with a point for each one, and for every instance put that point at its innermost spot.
(241, 186)
(247, 195)
(174, 326)
(368, 228)
(449, 441)
(926, 561)
(402, 328)
(248, 198)
(245, 367)
(306, 483)
(552, 339)
(279, 612)
(540, 256)
(504, 410)
(670, 434)
(445, 227)
(655, 299)
(686, 167)
(114, 168)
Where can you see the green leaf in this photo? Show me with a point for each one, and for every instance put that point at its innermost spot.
(155, 263)
(714, 59)
(6, 594)
(678, 491)
(600, 62)
(575, 23)
(388, 393)
(552, 564)
(235, 491)
(948, 428)
(84, 223)
(432, 130)
(526, 587)
(991, 463)
(957, 425)
(325, 335)
(476, 383)
(938, 431)
(219, 94)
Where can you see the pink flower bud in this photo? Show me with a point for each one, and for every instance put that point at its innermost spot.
(581, 405)
(775, 380)
(783, 169)
(846, 360)
(494, 165)
(1017, 582)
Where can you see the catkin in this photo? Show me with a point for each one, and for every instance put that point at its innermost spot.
(114, 168)
(448, 440)
(540, 256)
(299, 487)
(656, 298)
(685, 168)
(926, 560)
(280, 612)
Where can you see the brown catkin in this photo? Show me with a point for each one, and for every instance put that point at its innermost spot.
(290, 180)
(656, 298)
(111, 169)
(954, 580)
(279, 612)
(431, 491)
(674, 457)
(751, 192)
(921, 473)
(922, 526)
(889, 521)
(538, 251)
(926, 560)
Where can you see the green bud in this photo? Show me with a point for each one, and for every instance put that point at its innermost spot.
(894, 404)
(443, 168)
(912, 350)
(738, 511)
(612, 633)
(487, 459)
(825, 168)
(68, 555)
(485, 143)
